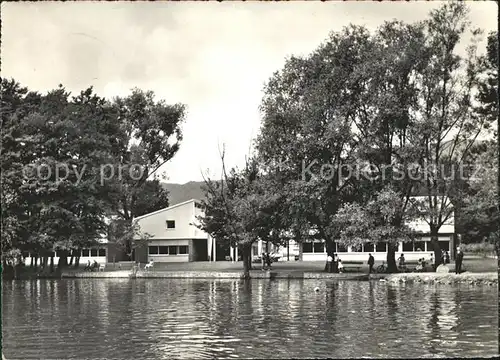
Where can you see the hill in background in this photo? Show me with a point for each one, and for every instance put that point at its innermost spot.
(178, 193)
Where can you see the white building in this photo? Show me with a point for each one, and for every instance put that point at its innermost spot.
(96, 253)
(316, 250)
(173, 235)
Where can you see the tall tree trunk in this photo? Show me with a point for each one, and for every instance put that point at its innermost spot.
(52, 263)
(392, 267)
(71, 258)
(36, 261)
(330, 247)
(77, 259)
(63, 259)
(128, 250)
(32, 261)
(435, 246)
(249, 259)
(45, 261)
(497, 250)
(246, 254)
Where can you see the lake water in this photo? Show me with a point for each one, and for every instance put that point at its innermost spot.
(196, 318)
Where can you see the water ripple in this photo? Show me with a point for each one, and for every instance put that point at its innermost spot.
(226, 319)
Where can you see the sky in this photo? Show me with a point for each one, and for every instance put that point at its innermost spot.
(214, 57)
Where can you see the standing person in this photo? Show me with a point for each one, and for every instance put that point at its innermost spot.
(402, 262)
(446, 257)
(341, 267)
(458, 261)
(268, 261)
(442, 257)
(431, 261)
(335, 263)
(371, 262)
(329, 263)
(263, 259)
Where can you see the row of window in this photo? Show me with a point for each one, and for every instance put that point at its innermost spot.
(168, 250)
(319, 247)
(83, 253)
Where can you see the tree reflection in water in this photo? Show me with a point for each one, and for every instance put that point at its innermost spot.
(196, 318)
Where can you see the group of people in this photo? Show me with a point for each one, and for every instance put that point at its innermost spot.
(334, 264)
(91, 266)
(422, 262)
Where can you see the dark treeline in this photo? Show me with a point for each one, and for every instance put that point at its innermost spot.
(71, 164)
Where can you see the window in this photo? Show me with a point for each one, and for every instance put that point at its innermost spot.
(172, 250)
(307, 247)
(184, 249)
(319, 247)
(408, 246)
(381, 247)
(102, 252)
(93, 252)
(341, 248)
(170, 224)
(368, 247)
(85, 252)
(153, 250)
(419, 245)
(163, 250)
(444, 245)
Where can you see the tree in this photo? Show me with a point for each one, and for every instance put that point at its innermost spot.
(17, 149)
(122, 233)
(385, 150)
(150, 135)
(481, 201)
(374, 221)
(56, 193)
(67, 208)
(240, 209)
(445, 127)
(480, 205)
(307, 142)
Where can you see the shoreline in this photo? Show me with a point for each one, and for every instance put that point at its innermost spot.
(486, 278)
(218, 275)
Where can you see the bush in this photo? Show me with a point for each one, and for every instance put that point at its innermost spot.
(483, 248)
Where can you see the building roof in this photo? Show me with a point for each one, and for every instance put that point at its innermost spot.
(166, 209)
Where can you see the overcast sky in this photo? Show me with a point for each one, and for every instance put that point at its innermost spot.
(213, 57)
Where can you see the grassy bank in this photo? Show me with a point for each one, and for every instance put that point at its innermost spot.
(291, 269)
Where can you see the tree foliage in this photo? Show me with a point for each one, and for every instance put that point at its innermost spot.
(241, 209)
(56, 149)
